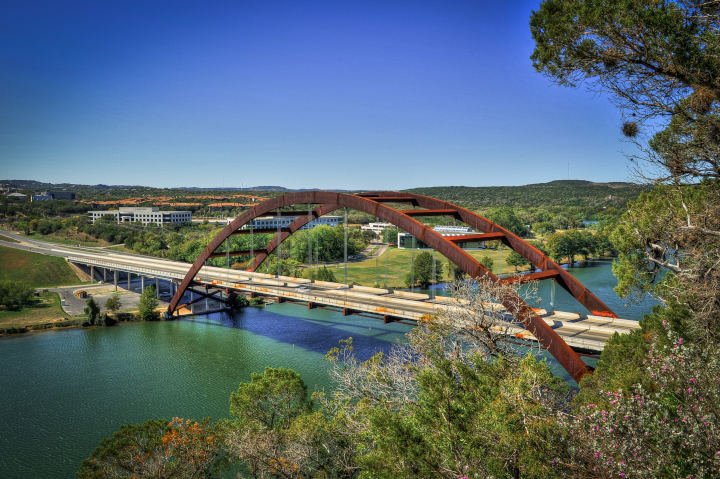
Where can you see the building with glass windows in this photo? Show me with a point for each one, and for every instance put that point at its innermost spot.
(144, 215)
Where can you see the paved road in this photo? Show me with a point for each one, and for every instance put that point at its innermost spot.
(574, 328)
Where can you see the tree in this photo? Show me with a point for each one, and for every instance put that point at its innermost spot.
(660, 62)
(180, 448)
(271, 399)
(148, 305)
(422, 274)
(113, 303)
(14, 295)
(506, 217)
(92, 311)
(487, 261)
(322, 274)
(457, 401)
(516, 260)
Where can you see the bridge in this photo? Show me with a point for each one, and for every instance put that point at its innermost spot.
(559, 332)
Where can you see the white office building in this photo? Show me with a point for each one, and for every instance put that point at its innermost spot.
(275, 222)
(144, 215)
(376, 228)
(406, 240)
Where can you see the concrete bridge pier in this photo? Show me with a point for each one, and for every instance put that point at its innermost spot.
(157, 288)
(104, 275)
(92, 273)
(115, 279)
(129, 278)
(142, 283)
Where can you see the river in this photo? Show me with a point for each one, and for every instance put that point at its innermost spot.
(63, 391)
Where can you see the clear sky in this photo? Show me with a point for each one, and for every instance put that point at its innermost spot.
(302, 94)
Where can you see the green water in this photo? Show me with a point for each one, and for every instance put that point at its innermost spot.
(63, 391)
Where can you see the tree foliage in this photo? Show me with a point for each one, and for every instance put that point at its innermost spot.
(422, 274)
(178, 449)
(113, 303)
(148, 305)
(92, 311)
(14, 295)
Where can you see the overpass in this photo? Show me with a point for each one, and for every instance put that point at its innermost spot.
(587, 333)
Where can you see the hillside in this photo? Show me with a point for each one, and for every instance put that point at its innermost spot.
(576, 193)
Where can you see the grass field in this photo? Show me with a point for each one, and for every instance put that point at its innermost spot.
(82, 240)
(390, 268)
(35, 270)
(46, 310)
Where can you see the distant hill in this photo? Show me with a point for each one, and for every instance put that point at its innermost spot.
(578, 193)
(560, 193)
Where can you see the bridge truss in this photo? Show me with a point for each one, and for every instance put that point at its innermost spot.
(380, 205)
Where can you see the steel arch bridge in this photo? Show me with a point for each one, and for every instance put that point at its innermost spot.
(378, 205)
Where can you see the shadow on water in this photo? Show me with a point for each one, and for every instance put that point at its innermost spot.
(315, 330)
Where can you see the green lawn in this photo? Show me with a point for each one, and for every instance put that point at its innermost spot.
(60, 238)
(35, 270)
(390, 268)
(46, 310)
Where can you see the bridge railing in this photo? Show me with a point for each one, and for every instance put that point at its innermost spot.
(126, 267)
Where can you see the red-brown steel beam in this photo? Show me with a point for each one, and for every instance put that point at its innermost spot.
(515, 305)
(219, 254)
(526, 278)
(259, 231)
(438, 212)
(536, 257)
(498, 236)
(299, 222)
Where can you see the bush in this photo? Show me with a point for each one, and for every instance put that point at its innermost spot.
(13, 296)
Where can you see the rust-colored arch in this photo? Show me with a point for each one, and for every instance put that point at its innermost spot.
(375, 203)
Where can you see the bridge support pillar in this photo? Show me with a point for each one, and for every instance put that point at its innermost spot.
(129, 275)
(347, 311)
(92, 273)
(388, 319)
(252, 295)
(279, 299)
(104, 275)
(311, 305)
(115, 278)
(157, 288)
(142, 283)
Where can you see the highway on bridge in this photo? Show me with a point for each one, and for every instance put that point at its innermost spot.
(584, 332)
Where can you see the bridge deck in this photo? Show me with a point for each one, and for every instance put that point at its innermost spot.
(579, 331)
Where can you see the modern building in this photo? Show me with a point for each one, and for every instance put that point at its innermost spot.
(406, 240)
(16, 196)
(275, 222)
(54, 195)
(376, 228)
(144, 215)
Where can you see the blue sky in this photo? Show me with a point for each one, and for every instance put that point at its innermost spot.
(357, 95)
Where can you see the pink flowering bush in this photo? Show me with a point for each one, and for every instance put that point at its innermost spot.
(672, 430)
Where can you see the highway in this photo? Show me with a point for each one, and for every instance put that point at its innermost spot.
(585, 332)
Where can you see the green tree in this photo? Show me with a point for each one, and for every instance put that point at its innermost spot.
(92, 311)
(271, 399)
(487, 261)
(113, 303)
(516, 260)
(148, 305)
(181, 449)
(322, 274)
(14, 295)
(507, 218)
(422, 274)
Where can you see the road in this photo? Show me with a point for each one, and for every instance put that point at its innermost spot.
(587, 332)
